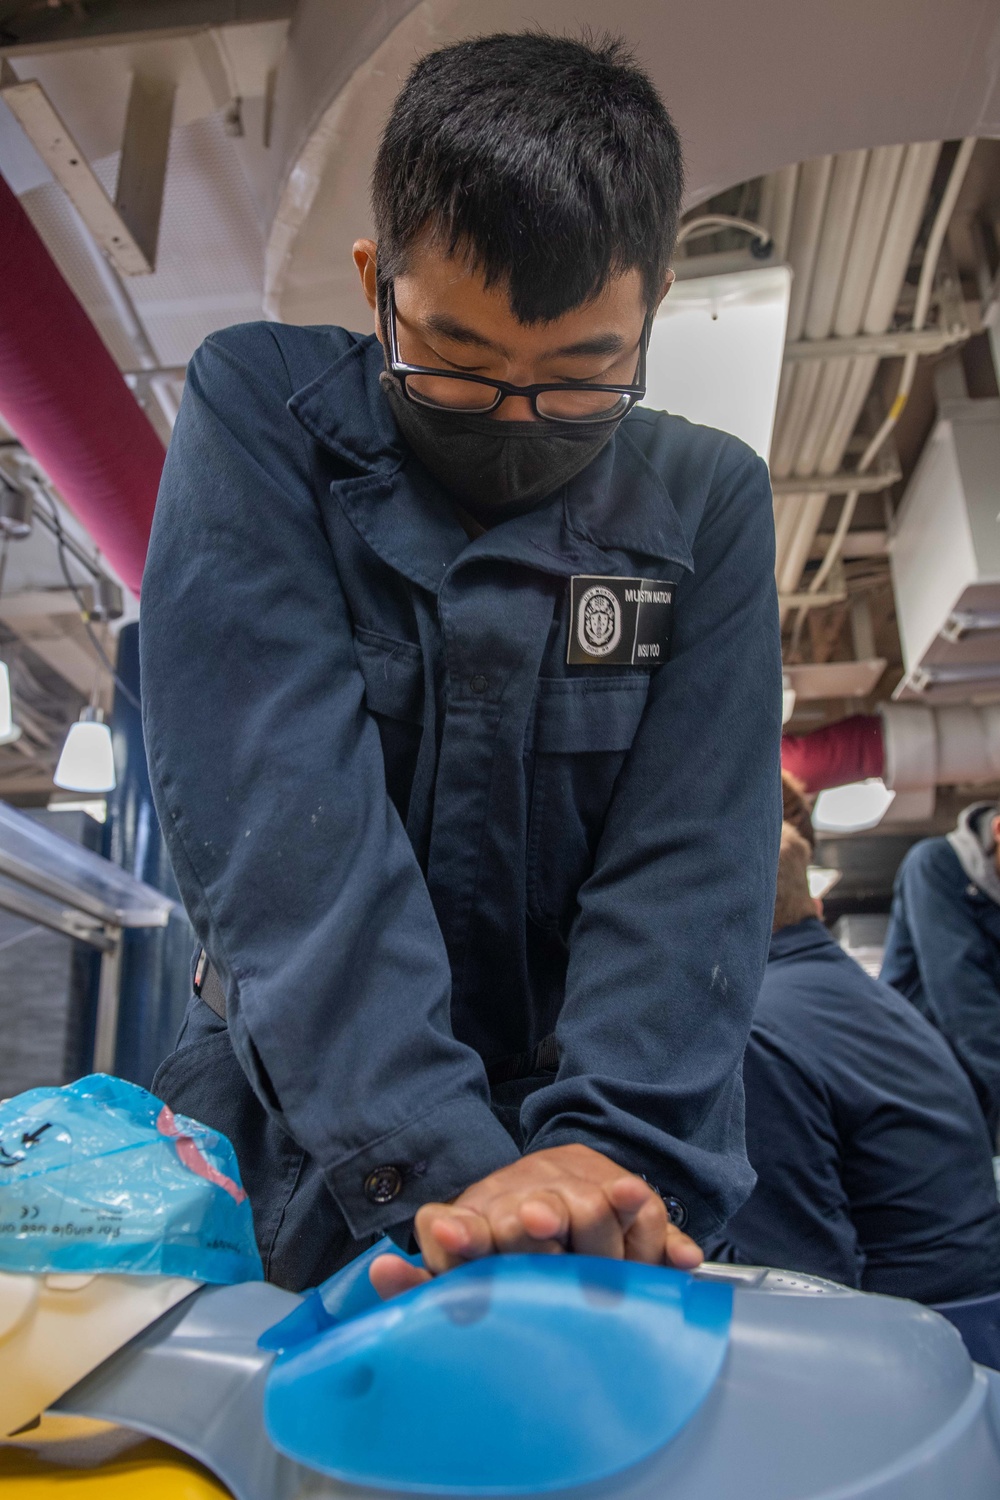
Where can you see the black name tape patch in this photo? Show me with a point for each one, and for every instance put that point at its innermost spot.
(619, 622)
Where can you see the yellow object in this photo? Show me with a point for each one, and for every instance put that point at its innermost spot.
(150, 1471)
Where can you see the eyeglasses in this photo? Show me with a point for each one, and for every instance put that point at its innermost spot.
(448, 390)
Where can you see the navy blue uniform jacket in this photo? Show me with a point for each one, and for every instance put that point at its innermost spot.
(872, 1157)
(943, 952)
(413, 840)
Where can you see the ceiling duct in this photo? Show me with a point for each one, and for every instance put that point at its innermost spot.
(945, 559)
(63, 396)
(912, 747)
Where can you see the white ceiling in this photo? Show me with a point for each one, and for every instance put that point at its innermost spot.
(752, 87)
(247, 224)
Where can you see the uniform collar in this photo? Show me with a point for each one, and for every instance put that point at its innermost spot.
(617, 511)
(799, 938)
(344, 409)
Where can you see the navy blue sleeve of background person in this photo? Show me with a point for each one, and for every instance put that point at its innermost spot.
(798, 1215)
(292, 861)
(873, 1159)
(270, 780)
(943, 953)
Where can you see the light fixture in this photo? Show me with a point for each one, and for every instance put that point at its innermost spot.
(94, 807)
(716, 348)
(6, 711)
(852, 808)
(9, 731)
(787, 698)
(822, 879)
(87, 762)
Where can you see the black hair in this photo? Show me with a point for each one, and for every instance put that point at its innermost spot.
(551, 163)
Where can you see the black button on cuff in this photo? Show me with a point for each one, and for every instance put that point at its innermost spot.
(479, 683)
(676, 1212)
(383, 1184)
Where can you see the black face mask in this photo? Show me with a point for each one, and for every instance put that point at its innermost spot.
(495, 469)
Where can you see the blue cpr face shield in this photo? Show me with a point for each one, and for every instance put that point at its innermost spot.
(100, 1176)
(515, 1374)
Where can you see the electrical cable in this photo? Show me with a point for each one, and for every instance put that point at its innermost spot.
(85, 613)
(715, 223)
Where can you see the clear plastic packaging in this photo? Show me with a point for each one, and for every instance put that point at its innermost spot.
(101, 1176)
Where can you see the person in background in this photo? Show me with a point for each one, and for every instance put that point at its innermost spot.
(795, 808)
(943, 946)
(872, 1159)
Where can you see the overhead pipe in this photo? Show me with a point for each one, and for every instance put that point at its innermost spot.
(846, 181)
(912, 747)
(876, 320)
(859, 255)
(63, 396)
(849, 750)
(817, 413)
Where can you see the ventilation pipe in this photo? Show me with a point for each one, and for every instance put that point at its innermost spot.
(912, 747)
(64, 397)
(850, 750)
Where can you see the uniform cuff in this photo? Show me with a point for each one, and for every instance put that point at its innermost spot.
(685, 1206)
(430, 1160)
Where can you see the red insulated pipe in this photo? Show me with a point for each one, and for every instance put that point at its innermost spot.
(63, 396)
(849, 750)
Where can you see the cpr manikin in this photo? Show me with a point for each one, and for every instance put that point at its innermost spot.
(56, 1327)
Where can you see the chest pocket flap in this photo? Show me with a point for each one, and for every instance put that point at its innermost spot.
(577, 715)
(394, 676)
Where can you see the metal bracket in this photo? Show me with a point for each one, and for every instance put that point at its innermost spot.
(41, 123)
(812, 601)
(966, 622)
(48, 880)
(56, 916)
(126, 230)
(143, 167)
(871, 482)
(882, 345)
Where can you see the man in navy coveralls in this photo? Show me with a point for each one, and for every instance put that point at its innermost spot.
(942, 950)
(462, 700)
(872, 1156)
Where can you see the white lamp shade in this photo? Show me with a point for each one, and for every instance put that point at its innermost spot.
(852, 808)
(822, 880)
(787, 698)
(87, 762)
(716, 348)
(6, 712)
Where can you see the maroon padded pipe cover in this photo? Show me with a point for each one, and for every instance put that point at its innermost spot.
(849, 750)
(64, 397)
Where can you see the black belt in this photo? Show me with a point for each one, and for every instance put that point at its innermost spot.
(543, 1057)
(209, 987)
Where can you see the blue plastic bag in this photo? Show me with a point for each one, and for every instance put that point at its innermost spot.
(102, 1176)
(510, 1375)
